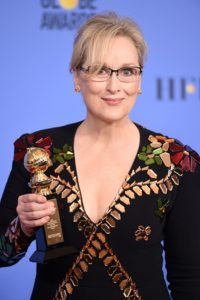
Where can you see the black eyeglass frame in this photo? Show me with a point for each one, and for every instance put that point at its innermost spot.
(81, 68)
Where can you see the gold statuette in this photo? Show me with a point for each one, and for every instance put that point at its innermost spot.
(49, 238)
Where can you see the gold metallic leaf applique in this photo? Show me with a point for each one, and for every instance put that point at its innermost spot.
(117, 277)
(163, 188)
(59, 189)
(130, 194)
(96, 244)
(77, 216)
(59, 169)
(154, 188)
(74, 280)
(127, 292)
(112, 269)
(71, 198)
(101, 237)
(88, 258)
(53, 184)
(137, 190)
(65, 193)
(155, 145)
(111, 222)
(83, 265)
(73, 207)
(146, 189)
(92, 251)
(106, 228)
(78, 273)
(102, 253)
(165, 146)
(169, 185)
(123, 284)
(142, 233)
(69, 288)
(125, 200)
(152, 174)
(165, 156)
(108, 260)
(120, 207)
(175, 179)
(116, 215)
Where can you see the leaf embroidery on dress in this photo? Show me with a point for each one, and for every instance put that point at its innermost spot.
(168, 150)
(62, 155)
(162, 205)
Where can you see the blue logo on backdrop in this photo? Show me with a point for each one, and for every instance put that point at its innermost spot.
(66, 14)
(185, 88)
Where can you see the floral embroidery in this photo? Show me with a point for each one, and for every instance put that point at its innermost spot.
(184, 156)
(142, 233)
(14, 243)
(157, 153)
(162, 205)
(62, 155)
(31, 140)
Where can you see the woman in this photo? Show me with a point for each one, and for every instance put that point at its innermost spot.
(122, 189)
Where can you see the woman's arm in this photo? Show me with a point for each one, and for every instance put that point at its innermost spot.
(182, 239)
(13, 242)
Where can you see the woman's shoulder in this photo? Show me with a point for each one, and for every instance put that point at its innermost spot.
(160, 149)
(45, 138)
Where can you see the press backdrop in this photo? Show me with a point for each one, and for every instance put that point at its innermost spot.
(36, 88)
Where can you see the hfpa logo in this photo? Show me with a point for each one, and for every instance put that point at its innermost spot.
(177, 88)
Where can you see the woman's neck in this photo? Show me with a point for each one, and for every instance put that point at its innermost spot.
(104, 132)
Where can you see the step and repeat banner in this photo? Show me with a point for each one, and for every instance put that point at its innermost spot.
(36, 87)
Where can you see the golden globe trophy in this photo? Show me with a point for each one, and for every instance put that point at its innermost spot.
(49, 238)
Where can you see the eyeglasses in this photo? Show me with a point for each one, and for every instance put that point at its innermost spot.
(124, 74)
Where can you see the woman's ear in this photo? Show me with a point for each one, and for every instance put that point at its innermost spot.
(76, 81)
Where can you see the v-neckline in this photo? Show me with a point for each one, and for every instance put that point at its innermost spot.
(133, 164)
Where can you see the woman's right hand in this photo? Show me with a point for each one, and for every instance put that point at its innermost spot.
(33, 211)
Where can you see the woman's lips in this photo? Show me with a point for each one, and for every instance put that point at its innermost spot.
(113, 101)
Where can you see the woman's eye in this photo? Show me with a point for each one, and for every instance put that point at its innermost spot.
(127, 71)
(102, 71)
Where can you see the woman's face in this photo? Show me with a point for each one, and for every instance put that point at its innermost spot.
(111, 100)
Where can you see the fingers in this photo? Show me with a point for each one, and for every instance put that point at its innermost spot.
(33, 211)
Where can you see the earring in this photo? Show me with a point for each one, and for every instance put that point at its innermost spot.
(139, 92)
(77, 88)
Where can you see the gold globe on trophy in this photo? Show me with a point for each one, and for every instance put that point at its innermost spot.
(49, 238)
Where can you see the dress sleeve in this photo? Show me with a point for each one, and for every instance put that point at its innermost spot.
(182, 237)
(13, 242)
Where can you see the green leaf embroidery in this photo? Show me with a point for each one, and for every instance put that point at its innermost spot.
(162, 205)
(62, 155)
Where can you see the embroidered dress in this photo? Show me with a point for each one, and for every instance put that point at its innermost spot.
(120, 257)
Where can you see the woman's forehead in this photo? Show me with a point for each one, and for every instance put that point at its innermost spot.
(120, 49)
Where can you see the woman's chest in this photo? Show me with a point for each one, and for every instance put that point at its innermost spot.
(100, 180)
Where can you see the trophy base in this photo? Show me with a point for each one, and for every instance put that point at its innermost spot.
(42, 257)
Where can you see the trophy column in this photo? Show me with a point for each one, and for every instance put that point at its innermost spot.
(49, 238)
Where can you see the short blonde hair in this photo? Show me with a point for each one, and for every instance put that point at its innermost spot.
(93, 38)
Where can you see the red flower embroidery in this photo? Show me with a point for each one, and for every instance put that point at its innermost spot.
(184, 156)
(31, 140)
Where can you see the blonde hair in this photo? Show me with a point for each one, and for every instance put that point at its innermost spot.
(93, 39)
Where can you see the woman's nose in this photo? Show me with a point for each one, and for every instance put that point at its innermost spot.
(113, 83)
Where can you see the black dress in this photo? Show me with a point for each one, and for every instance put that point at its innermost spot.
(157, 207)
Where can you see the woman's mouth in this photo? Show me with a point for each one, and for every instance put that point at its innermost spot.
(113, 101)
